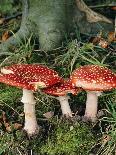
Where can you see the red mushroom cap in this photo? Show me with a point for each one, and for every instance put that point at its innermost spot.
(61, 89)
(94, 78)
(31, 69)
(29, 76)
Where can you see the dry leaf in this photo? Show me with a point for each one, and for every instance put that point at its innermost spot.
(17, 126)
(111, 37)
(5, 36)
(105, 138)
(99, 41)
(5, 122)
(113, 8)
(8, 127)
(103, 43)
(4, 116)
(95, 40)
(49, 114)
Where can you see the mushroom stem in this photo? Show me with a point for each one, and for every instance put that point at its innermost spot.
(115, 28)
(65, 107)
(30, 125)
(91, 105)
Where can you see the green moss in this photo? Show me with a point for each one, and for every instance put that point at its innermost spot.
(9, 6)
(13, 143)
(6, 6)
(9, 94)
(69, 138)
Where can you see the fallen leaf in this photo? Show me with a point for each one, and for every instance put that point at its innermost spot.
(113, 8)
(17, 126)
(8, 127)
(103, 43)
(5, 36)
(49, 114)
(5, 122)
(4, 116)
(111, 37)
(95, 40)
(99, 41)
(105, 138)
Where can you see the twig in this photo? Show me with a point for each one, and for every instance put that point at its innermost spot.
(13, 16)
(5, 19)
(101, 6)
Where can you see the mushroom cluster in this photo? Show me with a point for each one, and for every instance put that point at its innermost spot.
(32, 77)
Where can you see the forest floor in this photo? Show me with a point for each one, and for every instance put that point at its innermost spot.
(58, 135)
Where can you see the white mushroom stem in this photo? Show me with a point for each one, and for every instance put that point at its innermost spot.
(65, 107)
(29, 109)
(115, 28)
(91, 105)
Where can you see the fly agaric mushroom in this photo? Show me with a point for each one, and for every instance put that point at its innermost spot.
(61, 90)
(30, 78)
(94, 79)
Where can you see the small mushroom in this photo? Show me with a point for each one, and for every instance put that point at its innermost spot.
(30, 78)
(93, 79)
(60, 91)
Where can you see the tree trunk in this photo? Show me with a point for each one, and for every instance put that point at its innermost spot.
(90, 22)
(51, 20)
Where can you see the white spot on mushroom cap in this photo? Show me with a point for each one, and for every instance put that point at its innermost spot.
(6, 71)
